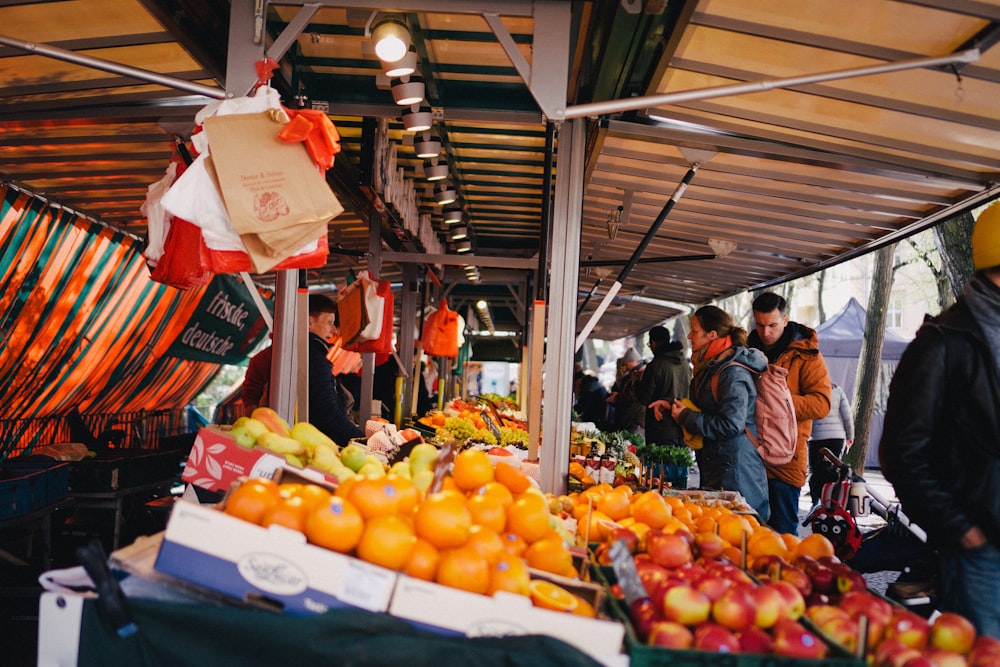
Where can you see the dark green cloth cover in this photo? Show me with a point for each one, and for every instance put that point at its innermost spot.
(176, 634)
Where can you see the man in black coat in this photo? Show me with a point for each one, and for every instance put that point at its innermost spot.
(667, 376)
(941, 441)
(326, 406)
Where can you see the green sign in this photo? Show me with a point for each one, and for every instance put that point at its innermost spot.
(225, 327)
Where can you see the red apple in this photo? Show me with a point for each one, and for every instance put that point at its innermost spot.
(816, 599)
(670, 635)
(797, 578)
(953, 632)
(850, 580)
(714, 585)
(821, 614)
(623, 533)
(795, 604)
(735, 609)
(644, 613)
(842, 630)
(892, 653)
(823, 579)
(768, 565)
(650, 574)
(770, 605)
(985, 652)
(755, 640)
(829, 561)
(918, 661)
(791, 639)
(714, 638)
(686, 605)
(944, 658)
(909, 628)
(668, 549)
(877, 610)
(709, 545)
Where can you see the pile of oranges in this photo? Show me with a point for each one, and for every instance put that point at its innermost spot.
(602, 508)
(481, 532)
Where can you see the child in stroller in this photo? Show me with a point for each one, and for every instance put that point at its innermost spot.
(897, 546)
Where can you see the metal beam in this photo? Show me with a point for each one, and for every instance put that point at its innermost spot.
(484, 261)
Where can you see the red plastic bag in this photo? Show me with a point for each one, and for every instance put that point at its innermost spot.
(185, 262)
(235, 261)
(382, 344)
(440, 334)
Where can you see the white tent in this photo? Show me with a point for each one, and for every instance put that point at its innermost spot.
(840, 339)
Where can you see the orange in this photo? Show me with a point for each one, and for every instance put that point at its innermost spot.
(409, 495)
(705, 524)
(816, 545)
(509, 573)
(464, 568)
(732, 527)
(512, 477)
(288, 489)
(335, 525)
(514, 544)
(596, 528)
(487, 542)
(288, 512)
(550, 554)
(528, 518)
(251, 499)
(488, 511)
(547, 595)
(766, 541)
(423, 562)
(652, 510)
(313, 495)
(472, 469)
(443, 519)
(792, 542)
(584, 608)
(498, 491)
(616, 504)
(344, 486)
(387, 541)
(375, 496)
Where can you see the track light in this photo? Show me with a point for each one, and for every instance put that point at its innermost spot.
(463, 246)
(418, 118)
(452, 215)
(428, 145)
(458, 233)
(445, 193)
(391, 38)
(404, 66)
(435, 169)
(408, 90)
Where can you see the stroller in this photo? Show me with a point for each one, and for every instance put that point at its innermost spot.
(898, 546)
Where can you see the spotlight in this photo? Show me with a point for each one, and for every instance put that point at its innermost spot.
(445, 193)
(459, 233)
(452, 215)
(435, 170)
(464, 246)
(404, 66)
(418, 118)
(408, 90)
(391, 38)
(428, 145)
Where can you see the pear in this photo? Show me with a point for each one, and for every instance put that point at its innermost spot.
(422, 480)
(353, 456)
(422, 457)
(372, 469)
(271, 419)
(401, 468)
(243, 436)
(296, 461)
(311, 437)
(326, 458)
(279, 444)
(255, 426)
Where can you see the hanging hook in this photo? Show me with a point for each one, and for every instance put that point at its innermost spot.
(959, 90)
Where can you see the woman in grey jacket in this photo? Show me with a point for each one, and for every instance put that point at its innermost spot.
(836, 433)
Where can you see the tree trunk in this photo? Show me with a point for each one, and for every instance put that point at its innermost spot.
(869, 366)
(954, 243)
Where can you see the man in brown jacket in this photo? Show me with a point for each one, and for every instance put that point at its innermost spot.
(793, 346)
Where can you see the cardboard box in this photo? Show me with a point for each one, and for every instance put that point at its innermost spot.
(269, 567)
(435, 607)
(216, 461)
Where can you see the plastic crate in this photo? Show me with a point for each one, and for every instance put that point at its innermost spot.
(29, 484)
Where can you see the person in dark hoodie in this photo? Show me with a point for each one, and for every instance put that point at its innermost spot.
(666, 377)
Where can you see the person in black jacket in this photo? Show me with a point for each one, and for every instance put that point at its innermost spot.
(666, 377)
(940, 445)
(326, 407)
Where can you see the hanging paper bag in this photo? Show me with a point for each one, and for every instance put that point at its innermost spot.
(272, 190)
(352, 312)
(440, 334)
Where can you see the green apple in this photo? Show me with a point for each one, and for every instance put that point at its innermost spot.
(422, 457)
(353, 456)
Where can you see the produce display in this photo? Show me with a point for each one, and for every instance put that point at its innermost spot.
(480, 424)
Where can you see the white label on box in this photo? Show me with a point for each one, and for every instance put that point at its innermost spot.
(272, 573)
(266, 466)
(364, 586)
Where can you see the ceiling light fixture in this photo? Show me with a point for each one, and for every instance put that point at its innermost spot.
(404, 66)
(464, 246)
(445, 193)
(418, 118)
(407, 90)
(435, 169)
(458, 233)
(391, 38)
(427, 145)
